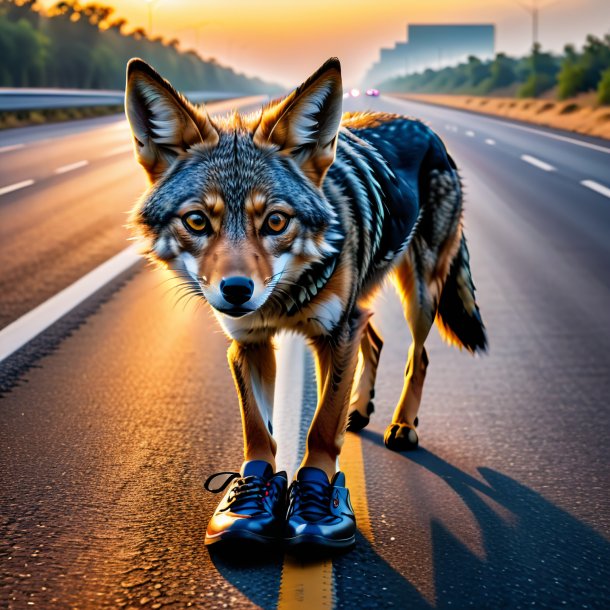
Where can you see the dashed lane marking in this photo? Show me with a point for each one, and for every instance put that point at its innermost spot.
(119, 150)
(490, 142)
(10, 147)
(538, 163)
(37, 320)
(470, 133)
(597, 187)
(71, 167)
(15, 187)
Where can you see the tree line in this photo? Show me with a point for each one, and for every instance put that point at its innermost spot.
(572, 73)
(84, 46)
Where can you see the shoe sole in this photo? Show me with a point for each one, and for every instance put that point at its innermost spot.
(311, 541)
(243, 536)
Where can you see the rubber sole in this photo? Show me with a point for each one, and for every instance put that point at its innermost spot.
(243, 536)
(313, 542)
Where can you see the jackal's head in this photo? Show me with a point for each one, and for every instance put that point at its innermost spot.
(236, 204)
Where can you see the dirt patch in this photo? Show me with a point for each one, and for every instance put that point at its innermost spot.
(545, 107)
(579, 114)
(569, 108)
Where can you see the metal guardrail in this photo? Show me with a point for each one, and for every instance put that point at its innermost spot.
(46, 99)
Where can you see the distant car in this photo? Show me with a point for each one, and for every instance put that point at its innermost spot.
(372, 92)
(354, 92)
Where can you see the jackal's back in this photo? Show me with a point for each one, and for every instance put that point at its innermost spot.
(381, 173)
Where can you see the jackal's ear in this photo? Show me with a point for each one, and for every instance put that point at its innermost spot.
(164, 124)
(306, 122)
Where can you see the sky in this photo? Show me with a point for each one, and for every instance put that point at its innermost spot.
(285, 40)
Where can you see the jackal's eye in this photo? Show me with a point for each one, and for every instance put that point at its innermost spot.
(196, 222)
(275, 223)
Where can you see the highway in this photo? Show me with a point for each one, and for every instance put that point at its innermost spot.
(115, 415)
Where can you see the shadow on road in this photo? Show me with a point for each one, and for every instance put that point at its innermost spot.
(542, 557)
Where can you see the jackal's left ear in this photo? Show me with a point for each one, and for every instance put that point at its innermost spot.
(306, 122)
(164, 124)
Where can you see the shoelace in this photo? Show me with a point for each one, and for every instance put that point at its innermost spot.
(311, 499)
(248, 492)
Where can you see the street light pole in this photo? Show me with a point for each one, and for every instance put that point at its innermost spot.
(151, 4)
(534, 10)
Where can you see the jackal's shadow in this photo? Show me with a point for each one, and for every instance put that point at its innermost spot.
(541, 557)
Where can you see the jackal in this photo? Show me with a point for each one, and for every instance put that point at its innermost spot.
(290, 218)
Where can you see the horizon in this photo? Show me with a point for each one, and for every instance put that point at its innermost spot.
(284, 47)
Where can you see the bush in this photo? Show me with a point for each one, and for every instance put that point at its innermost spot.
(603, 89)
(535, 85)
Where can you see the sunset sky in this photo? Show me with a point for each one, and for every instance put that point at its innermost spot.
(285, 40)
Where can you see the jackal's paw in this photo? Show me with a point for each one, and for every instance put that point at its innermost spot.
(400, 437)
(356, 421)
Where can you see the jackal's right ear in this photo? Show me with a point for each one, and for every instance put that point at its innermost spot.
(164, 124)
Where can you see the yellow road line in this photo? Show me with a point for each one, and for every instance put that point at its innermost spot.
(310, 585)
(306, 585)
(352, 464)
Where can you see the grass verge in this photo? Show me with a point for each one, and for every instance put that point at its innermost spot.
(22, 118)
(572, 115)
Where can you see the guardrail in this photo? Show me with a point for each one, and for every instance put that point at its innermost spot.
(46, 99)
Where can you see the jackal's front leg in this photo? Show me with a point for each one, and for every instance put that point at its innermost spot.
(253, 368)
(336, 359)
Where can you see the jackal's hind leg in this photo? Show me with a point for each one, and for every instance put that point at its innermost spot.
(363, 390)
(419, 304)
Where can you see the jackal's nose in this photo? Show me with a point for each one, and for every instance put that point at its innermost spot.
(237, 289)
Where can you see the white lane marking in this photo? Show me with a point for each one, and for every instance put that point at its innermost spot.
(554, 136)
(119, 150)
(31, 324)
(4, 149)
(538, 163)
(72, 166)
(507, 123)
(288, 400)
(597, 187)
(15, 187)
(490, 142)
(470, 133)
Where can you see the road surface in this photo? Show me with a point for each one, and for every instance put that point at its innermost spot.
(114, 416)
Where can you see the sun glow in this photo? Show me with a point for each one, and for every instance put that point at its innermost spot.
(284, 44)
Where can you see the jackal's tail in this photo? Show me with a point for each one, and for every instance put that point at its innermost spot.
(458, 317)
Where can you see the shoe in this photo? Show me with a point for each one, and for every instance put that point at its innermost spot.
(320, 514)
(253, 508)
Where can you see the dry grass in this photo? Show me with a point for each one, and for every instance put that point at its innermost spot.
(579, 114)
(37, 117)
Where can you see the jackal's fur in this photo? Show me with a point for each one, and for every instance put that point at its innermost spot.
(313, 210)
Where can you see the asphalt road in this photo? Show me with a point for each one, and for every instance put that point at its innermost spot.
(114, 417)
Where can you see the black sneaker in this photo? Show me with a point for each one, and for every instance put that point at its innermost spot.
(253, 508)
(320, 514)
